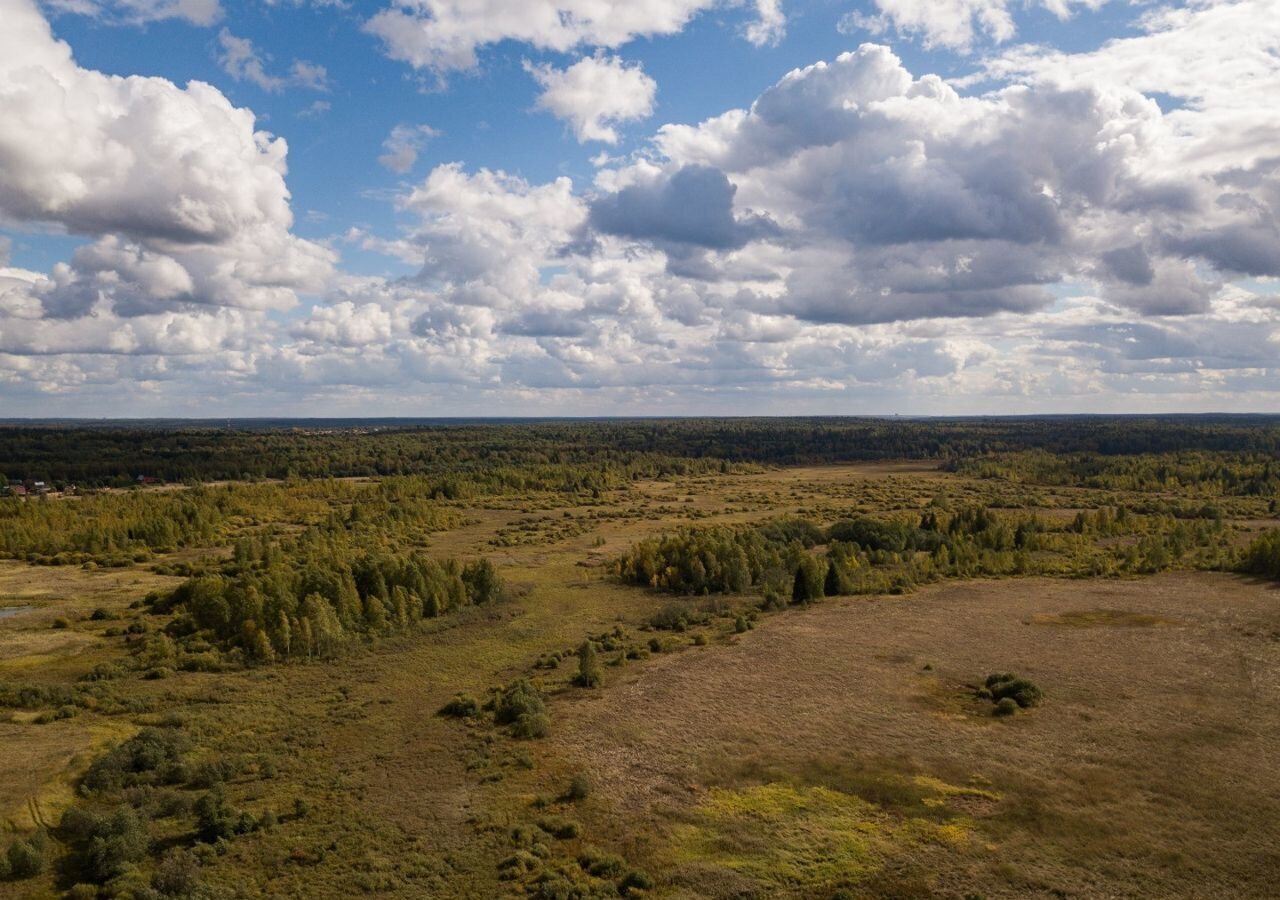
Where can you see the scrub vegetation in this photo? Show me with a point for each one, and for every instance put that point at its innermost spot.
(747, 658)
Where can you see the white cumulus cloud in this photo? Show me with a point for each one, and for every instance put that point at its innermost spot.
(445, 35)
(595, 94)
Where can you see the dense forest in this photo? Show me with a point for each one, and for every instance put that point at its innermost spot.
(117, 454)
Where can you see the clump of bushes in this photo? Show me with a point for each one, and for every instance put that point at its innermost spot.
(560, 828)
(601, 865)
(462, 706)
(150, 756)
(520, 705)
(1009, 693)
(216, 819)
(115, 842)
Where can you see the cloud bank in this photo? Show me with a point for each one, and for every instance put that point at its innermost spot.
(1057, 231)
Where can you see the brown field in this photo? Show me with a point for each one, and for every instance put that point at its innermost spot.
(1149, 770)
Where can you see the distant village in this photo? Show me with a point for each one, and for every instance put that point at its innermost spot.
(32, 488)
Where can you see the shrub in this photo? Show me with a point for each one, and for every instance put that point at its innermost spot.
(579, 789)
(119, 841)
(26, 858)
(142, 759)
(562, 829)
(521, 706)
(601, 865)
(213, 772)
(83, 892)
(699, 640)
(104, 672)
(520, 863)
(590, 674)
(61, 623)
(531, 725)
(672, 617)
(1005, 706)
(1022, 691)
(741, 625)
(462, 706)
(635, 880)
(79, 824)
(216, 819)
(178, 875)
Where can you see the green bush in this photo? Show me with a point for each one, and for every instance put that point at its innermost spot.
(560, 828)
(601, 865)
(518, 864)
(579, 789)
(590, 673)
(1022, 691)
(531, 725)
(118, 841)
(462, 706)
(216, 819)
(1005, 706)
(521, 706)
(634, 881)
(26, 858)
(149, 756)
(178, 875)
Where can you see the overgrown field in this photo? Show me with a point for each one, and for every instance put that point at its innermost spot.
(1015, 670)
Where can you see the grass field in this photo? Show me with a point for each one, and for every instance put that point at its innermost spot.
(835, 750)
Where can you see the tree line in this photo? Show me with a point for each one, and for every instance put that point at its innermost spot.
(612, 450)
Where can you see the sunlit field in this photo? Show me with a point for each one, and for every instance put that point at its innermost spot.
(1021, 673)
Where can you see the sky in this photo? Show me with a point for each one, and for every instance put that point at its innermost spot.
(218, 208)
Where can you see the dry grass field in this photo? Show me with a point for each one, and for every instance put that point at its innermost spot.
(1147, 772)
(830, 751)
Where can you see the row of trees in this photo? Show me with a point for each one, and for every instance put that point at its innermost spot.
(866, 555)
(1235, 473)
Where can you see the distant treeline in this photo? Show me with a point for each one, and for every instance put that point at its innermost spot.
(117, 528)
(610, 450)
(1237, 473)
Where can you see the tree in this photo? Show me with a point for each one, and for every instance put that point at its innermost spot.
(590, 674)
(831, 586)
(482, 581)
(800, 592)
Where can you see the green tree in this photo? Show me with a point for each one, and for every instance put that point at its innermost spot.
(590, 673)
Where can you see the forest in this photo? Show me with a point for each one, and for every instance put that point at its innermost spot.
(101, 454)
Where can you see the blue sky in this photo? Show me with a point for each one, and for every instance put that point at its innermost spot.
(869, 238)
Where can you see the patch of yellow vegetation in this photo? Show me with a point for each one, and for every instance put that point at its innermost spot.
(804, 838)
(942, 788)
(1101, 618)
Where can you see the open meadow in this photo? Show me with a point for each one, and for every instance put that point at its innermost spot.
(999, 673)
